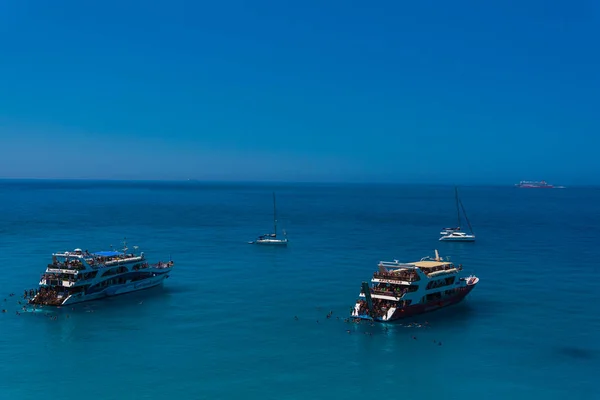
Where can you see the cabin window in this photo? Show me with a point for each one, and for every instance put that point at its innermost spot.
(141, 276)
(89, 275)
(114, 271)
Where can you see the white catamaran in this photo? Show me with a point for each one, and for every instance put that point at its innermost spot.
(271, 238)
(455, 234)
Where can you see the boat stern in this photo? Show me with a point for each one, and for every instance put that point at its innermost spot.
(49, 297)
(360, 310)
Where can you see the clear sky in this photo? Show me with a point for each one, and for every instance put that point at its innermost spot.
(312, 90)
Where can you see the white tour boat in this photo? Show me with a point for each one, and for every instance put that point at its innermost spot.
(399, 290)
(77, 276)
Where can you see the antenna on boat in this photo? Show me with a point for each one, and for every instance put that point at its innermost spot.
(437, 255)
(124, 245)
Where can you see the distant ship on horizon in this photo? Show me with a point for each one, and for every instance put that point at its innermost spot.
(537, 185)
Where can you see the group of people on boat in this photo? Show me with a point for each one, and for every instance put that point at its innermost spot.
(389, 290)
(380, 307)
(99, 260)
(59, 277)
(162, 264)
(404, 275)
(43, 296)
(67, 264)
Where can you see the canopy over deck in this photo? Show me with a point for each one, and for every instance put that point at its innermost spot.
(425, 263)
(431, 264)
(108, 253)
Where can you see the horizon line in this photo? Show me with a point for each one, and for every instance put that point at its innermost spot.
(302, 182)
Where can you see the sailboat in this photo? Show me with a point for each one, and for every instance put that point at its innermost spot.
(271, 238)
(455, 234)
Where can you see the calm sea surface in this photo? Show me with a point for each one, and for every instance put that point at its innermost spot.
(223, 325)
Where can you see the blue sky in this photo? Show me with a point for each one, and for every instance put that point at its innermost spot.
(421, 91)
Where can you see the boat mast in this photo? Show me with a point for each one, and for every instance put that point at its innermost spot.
(467, 218)
(274, 216)
(457, 209)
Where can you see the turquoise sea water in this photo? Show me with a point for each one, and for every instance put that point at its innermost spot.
(223, 324)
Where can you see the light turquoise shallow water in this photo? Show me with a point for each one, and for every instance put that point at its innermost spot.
(223, 325)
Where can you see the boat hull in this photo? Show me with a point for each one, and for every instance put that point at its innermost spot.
(114, 290)
(271, 242)
(418, 309)
(457, 239)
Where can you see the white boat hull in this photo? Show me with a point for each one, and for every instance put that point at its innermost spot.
(456, 238)
(272, 242)
(116, 290)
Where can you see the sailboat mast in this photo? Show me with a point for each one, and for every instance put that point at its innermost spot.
(457, 209)
(274, 215)
(467, 218)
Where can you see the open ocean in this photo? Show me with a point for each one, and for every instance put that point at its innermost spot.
(223, 326)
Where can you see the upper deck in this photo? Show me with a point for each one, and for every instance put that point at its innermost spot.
(434, 268)
(70, 262)
(110, 258)
(409, 272)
